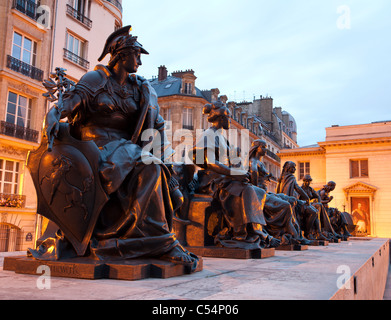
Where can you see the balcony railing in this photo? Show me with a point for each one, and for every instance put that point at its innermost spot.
(79, 16)
(188, 127)
(76, 59)
(28, 7)
(273, 155)
(116, 3)
(12, 200)
(12, 130)
(24, 68)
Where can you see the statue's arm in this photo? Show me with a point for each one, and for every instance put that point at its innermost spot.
(56, 113)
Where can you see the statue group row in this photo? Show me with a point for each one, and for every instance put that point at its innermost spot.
(104, 200)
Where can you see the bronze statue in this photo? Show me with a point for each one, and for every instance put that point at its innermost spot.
(306, 215)
(107, 111)
(241, 202)
(340, 222)
(278, 210)
(323, 229)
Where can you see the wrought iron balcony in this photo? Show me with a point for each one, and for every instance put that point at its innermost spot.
(76, 59)
(24, 68)
(79, 16)
(116, 3)
(188, 127)
(12, 200)
(28, 7)
(12, 130)
(273, 156)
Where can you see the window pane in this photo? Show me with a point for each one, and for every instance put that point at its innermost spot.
(12, 97)
(23, 101)
(9, 165)
(22, 112)
(8, 176)
(16, 52)
(70, 43)
(7, 188)
(28, 44)
(26, 57)
(11, 108)
(354, 168)
(10, 118)
(17, 39)
(20, 122)
(364, 168)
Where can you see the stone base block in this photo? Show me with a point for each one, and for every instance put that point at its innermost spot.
(317, 243)
(292, 247)
(230, 253)
(86, 268)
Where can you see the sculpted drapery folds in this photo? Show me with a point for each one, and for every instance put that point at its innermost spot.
(241, 202)
(111, 106)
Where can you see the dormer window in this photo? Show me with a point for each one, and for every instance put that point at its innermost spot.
(188, 88)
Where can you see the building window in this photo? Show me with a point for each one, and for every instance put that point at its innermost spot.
(359, 169)
(77, 9)
(76, 50)
(304, 169)
(28, 7)
(188, 88)
(75, 45)
(24, 49)
(166, 114)
(18, 110)
(188, 119)
(9, 176)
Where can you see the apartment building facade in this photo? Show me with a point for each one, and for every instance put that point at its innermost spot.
(37, 37)
(181, 104)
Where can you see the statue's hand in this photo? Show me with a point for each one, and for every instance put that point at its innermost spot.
(52, 126)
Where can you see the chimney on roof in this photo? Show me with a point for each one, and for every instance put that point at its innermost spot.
(162, 73)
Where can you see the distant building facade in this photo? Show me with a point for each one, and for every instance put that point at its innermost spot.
(358, 159)
(37, 37)
(181, 104)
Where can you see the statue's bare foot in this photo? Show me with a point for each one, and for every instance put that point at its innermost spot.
(178, 254)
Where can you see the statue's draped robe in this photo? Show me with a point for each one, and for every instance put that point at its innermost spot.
(139, 197)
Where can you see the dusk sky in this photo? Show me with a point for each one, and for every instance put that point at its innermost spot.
(326, 62)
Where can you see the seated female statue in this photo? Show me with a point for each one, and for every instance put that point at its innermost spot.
(112, 106)
(241, 202)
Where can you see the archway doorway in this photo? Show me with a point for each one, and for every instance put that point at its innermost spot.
(11, 238)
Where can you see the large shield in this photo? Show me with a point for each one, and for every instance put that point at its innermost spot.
(68, 187)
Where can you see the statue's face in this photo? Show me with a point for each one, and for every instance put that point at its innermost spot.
(292, 169)
(262, 149)
(131, 60)
(306, 183)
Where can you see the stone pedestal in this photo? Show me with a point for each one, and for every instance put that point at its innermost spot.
(292, 247)
(228, 253)
(86, 268)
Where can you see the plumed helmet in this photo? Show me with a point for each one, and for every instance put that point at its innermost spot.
(120, 40)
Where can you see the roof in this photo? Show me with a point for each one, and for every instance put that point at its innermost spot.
(172, 86)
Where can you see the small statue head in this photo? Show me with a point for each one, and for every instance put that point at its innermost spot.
(289, 167)
(259, 146)
(218, 114)
(123, 47)
(307, 180)
(331, 185)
